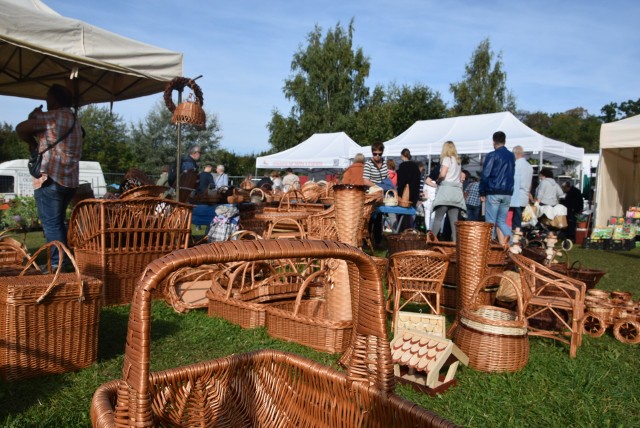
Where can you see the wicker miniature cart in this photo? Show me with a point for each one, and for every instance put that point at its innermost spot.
(616, 310)
(263, 388)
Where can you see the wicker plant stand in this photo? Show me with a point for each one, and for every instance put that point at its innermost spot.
(265, 388)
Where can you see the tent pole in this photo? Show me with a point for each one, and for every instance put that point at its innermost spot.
(179, 150)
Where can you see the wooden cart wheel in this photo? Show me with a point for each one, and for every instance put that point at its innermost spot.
(593, 325)
(627, 331)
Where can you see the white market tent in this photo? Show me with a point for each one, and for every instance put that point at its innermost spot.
(324, 151)
(473, 135)
(39, 47)
(618, 185)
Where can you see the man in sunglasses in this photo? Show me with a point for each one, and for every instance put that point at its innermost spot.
(375, 170)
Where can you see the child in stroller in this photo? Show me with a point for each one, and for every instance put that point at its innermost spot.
(538, 221)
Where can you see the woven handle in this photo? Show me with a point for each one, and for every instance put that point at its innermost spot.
(303, 288)
(243, 234)
(62, 251)
(519, 300)
(285, 220)
(431, 238)
(370, 363)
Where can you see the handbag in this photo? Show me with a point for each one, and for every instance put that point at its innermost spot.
(35, 162)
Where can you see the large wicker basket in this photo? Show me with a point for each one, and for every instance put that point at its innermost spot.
(409, 239)
(265, 388)
(48, 323)
(114, 240)
(495, 339)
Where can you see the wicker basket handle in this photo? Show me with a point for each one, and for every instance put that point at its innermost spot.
(243, 234)
(303, 288)
(575, 265)
(259, 190)
(431, 237)
(285, 220)
(62, 251)
(483, 283)
(370, 365)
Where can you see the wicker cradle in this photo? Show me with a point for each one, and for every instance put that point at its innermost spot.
(48, 323)
(114, 240)
(265, 388)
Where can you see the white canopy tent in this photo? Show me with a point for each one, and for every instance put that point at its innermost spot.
(473, 135)
(618, 184)
(323, 151)
(39, 47)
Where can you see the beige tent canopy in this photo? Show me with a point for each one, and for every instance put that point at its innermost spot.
(618, 185)
(39, 47)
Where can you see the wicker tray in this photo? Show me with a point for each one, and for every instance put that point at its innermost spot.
(265, 388)
(48, 323)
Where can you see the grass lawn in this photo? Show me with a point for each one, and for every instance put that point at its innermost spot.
(597, 389)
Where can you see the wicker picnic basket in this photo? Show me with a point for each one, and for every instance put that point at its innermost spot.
(48, 323)
(264, 388)
(590, 277)
(448, 248)
(495, 339)
(114, 240)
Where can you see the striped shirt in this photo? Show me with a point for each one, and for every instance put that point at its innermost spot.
(62, 162)
(371, 171)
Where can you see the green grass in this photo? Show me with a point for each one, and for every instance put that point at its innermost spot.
(597, 389)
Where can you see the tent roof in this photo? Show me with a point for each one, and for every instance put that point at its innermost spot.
(318, 151)
(39, 47)
(620, 134)
(473, 135)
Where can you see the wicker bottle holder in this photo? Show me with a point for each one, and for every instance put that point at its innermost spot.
(495, 339)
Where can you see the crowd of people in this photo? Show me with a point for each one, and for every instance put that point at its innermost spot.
(448, 193)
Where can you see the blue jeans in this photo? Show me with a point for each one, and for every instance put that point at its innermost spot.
(495, 212)
(517, 217)
(52, 201)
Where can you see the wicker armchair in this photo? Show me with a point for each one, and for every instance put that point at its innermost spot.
(553, 295)
(114, 240)
(415, 276)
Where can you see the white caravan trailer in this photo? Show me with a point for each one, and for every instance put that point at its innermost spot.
(15, 179)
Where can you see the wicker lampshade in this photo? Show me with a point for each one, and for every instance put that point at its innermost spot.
(191, 113)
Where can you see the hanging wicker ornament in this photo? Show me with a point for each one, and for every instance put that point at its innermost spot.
(189, 112)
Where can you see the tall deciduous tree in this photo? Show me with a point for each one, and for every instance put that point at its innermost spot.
(155, 139)
(106, 139)
(327, 87)
(614, 111)
(484, 85)
(11, 147)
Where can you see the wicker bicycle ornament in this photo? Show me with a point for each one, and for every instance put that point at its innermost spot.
(188, 112)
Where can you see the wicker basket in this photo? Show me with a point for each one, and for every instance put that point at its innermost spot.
(176, 291)
(49, 323)
(495, 339)
(264, 388)
(114, 240)
(409, 239)
(145, 191)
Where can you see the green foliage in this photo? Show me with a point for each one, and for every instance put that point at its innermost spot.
(327, 87)
(106, 139)
(22, 214)
(484, 86)
(614, 111)
(154, 141)
(11, 147)
(235, 164)
(576, 127)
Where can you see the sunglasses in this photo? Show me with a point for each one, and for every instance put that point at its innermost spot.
(377, 153)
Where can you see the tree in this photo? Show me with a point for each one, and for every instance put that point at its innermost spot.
(327, 87)
(576, 127)
(106, 139)
(612, 111)
(155, 139)
(484, 86)
(11, 147)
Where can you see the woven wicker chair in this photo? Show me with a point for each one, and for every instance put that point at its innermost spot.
(114, 240)
(551, 294)
(415, 276)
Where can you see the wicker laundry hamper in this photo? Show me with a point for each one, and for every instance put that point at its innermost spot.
(264, 388)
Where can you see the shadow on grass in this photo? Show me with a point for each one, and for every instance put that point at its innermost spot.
(112, 335)
(18, 396)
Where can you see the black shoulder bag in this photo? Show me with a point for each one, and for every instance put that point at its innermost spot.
(35, 163)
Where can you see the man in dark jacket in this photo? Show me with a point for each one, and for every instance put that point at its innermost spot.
(496, 186)
(408, 175)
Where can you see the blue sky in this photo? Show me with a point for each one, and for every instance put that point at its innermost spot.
(557, 55)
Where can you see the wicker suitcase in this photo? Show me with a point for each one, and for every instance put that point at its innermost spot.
(48, 323)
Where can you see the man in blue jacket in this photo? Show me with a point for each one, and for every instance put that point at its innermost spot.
(496, 186)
